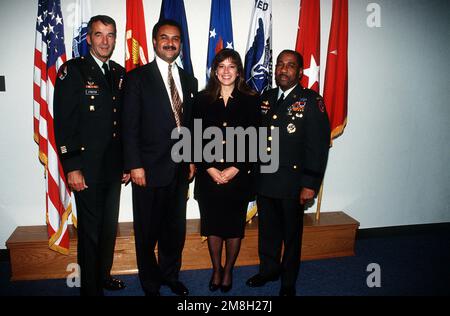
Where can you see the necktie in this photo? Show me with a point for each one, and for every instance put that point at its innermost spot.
(107, 73)
(176, 101)
(280, 100)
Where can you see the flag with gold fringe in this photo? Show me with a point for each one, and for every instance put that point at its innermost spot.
(49, 55)
(136, 53)
(336, 72)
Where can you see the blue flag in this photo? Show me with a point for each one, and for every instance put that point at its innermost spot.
(258, 57)
(174, 10)
(220, 31)
(80, 46)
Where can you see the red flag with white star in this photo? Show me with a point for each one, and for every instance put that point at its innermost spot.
(336, 73)
(308, 42)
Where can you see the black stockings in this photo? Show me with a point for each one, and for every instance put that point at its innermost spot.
(232, 246)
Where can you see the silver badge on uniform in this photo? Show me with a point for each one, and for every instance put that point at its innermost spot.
(291, 128)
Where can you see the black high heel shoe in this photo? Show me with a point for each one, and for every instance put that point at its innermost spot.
(227, 288)
(213, 286)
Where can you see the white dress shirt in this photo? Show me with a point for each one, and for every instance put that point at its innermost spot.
(163, 67)
(286, 93)
(100, 63)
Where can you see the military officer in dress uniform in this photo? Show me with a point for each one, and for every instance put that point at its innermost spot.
(87, 104)
(304, 138)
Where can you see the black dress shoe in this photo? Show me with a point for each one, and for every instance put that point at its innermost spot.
(287, 291)
(178, 288)
(152, 293)
(113, 284)
(258, 280)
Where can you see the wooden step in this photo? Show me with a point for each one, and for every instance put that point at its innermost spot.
(31, 259)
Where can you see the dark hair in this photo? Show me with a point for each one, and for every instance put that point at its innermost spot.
(104, 19)
(161, 23)
(213, 87)
(297, 55)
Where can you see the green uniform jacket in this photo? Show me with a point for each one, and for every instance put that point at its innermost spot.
(304, 139)
(87, 119)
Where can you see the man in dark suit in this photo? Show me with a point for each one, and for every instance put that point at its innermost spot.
(304, 138)
(158, 99)
(87, 103)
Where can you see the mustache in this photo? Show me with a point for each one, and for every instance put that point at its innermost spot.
(169, 47)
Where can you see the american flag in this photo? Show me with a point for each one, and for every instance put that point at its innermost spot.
(49, 55)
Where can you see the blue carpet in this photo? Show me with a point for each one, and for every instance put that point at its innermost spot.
(409, 265)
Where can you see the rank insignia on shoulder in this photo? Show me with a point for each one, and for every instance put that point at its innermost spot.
(62, 73)
(63, 149)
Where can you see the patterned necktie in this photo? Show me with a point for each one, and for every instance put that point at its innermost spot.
(107, 73)
(176, 101)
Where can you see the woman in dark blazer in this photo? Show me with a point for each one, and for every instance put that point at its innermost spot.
(224, 187)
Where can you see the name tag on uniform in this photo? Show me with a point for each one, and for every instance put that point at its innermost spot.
(91, 90)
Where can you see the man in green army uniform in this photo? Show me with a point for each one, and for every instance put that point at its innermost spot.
(87, 103)
(304, 137)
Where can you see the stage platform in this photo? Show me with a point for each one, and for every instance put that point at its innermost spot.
(31, 259)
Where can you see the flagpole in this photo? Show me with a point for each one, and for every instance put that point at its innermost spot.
(319, 202)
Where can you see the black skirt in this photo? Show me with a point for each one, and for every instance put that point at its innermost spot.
(223, 208)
